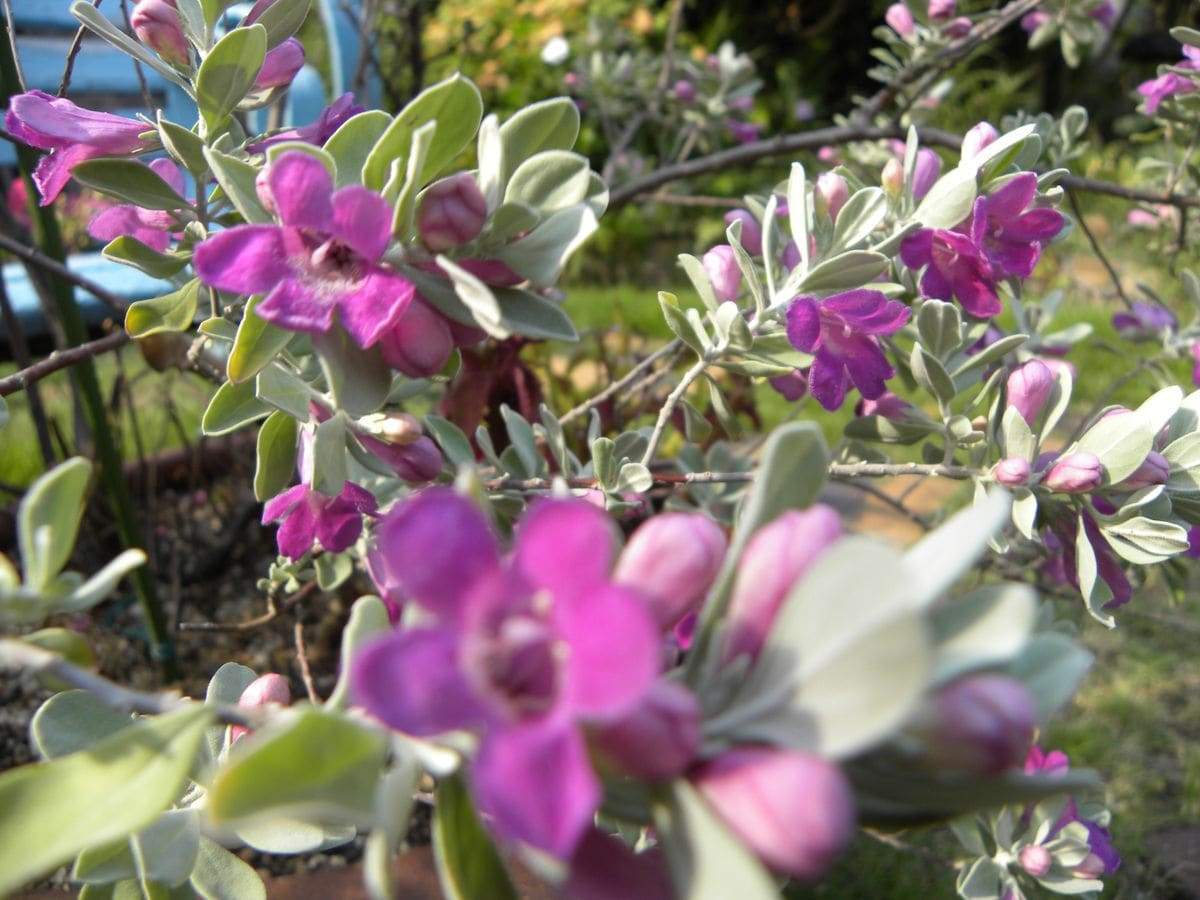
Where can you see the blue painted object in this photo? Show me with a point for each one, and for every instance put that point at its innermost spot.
(105, 78)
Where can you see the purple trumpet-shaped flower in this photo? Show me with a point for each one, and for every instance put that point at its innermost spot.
(841, 331)
(280, 65)
(307, 515)
(322, 259)
(522, 650)
(1171, 84)
(71, 134)
(331, 119)
(955, 267)
(153, 227)
(1144, 321)
(1010, 234)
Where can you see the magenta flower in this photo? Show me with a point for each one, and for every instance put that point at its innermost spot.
(1010, 234)
(280, 66)
(1171, 84)
(153, 227)
(955, 268)
(156, 24)
(1107, 565)
(751, 230)
(322, 259)
(841, 331)
(900, 18)
(724, 274)
(982, 723)
(793, 386)
(926, 170)
(521, 650)
(331, 119)
(1144, 321)
(309, 515)
(1028, 388)
(71, 134)
(453, 212)
(743, 132)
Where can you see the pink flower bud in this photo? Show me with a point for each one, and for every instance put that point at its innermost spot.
(751, 230)
(1013, 471)
(795, 811)
(1154, 470)
(775, 558)
(976, 138)
(1031, 22)
(262, 187)
(830, 194)
(900, 18)
(925, 172)
(1036, 860)
(1091, 867)
(156, 24)
(957, 28)
(1029, 387)
(453, 212)
(672, 559)
(892, 176)
(658, 738)
(684, 91)
(791, 255)
(269, 688)
(941, 10)
(419, 343)
(723, 273)
(280, 65)
(1075, 474)
(982, 724)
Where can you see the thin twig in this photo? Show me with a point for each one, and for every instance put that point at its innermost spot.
(34, 256)
(673, 398)
(273, 610)
(868, 488)
(1112, 273)
(690, 200)
(302, 659)
(896, 843)
(76, 44)
(12, 37)
(620, 384)
(61, 359)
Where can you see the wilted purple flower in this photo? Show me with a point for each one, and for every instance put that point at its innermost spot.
(281, 64)
(309, 515)
(453, 211)
(926, 169)
(941, 10)
(982, 724)
(775, 558)
(955, 268)
(1036, 860)
(795, 811)
(71, 134)
(900, 18)
(1010, 234)
(1012, 472)
(520, 650)
(743, 132)
(720, 264)
(153, 227)
(684, 91)
(1171, 84)
(978, 137)
(751, 231)
(656, 740)
(331, 119)
(1144, 321)
(269, 688)
(830, 194)
(1028, 388)
(156, 24)
(323, 258)
(1077, 473)
(841, 331)
(672, 559)
(794, 385)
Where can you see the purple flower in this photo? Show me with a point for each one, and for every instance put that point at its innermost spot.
(1010, 235)
(926, 169)
(153, 227)
(982, 724)
(1031, 22)
(743, 132)
(794, 385)
(1104, 13)
(604, 867)
(1144, 321)
(1107, 566)
(453, 211)
(331, 119)
(322, 259)
(1077, 473)
(941, 10)
(521, 650)
(309, 515)
(1169, 84)
(71, 134)
(420, 342)
(684, 91)
(723, 272)
(280, 65)
(900, 18)
(887, 405)
(955, 268)
(659, 738)
(751, 230)
(841, 331)
(976, 139)
(1028, 388)
(156, 24)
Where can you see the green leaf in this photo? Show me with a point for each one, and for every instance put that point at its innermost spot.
(949, 201)
(522, 312)
(67, 643)
(724, 412)
(455, 104)
(282, 19)
(937, 561)
(541, 254)
(604, 462)
(707, 862)
(987, 627)
(368, 618)
(99, 24)
(679, 323)
(360, 379)
(861, 215)
(127, 180)
(547, 125)
(71, 721)
(284, 391)
(165, 853)
(351, 144)
(523, 440)
(939, 325)
(236, 178)
(1121, 443)
(1144, 541)
(931, 375)
(467, 862)
(1018, 440)
(311, 764)
(228, 72)
(1051, 665)
(231, 407)
(219, 875)
(790, 476)
(989, 354)
(275, 460)
(844, 272)
(329, 456)
(1095, 590)
(133, 252)
(173, 312)
(696, 428)
(48, 520)
(450, 438)
(798, 214)
(550, 181)
(404, 191)
(694, 269)
(225, 687)
(52, 811)
(256, 344)
(635, 477)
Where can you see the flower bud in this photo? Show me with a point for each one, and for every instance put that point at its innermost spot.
(925, 172)
(419, 343)
(1104, 13)
(269, 688)
(1196, 364)
(1013, 471)
(830, 194)
(156, 24)
(658, 738)
(941, 10)
(981, 724)
(723, 273)
(751, 230)
(1031, 22)
(743, 132)
(684, 91)
(900, 18)
(280, 65)
(1036, 860)
(791, 255)
(1029, 387)
(957, 28)
(1154, 470)
(400, 428)
(1075, 474)
(776, 557)
(672, 559)
(453, 212)
(978, 137)
(892, 177)
(794, 810)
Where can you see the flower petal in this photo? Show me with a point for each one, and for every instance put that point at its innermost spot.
(827, 381)
(278, 505)
(566, 546)
(363, 220)
(302, 189)
(374, 306)
(245, 259)
(297, 306)
(296, 532)
(803, 324)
